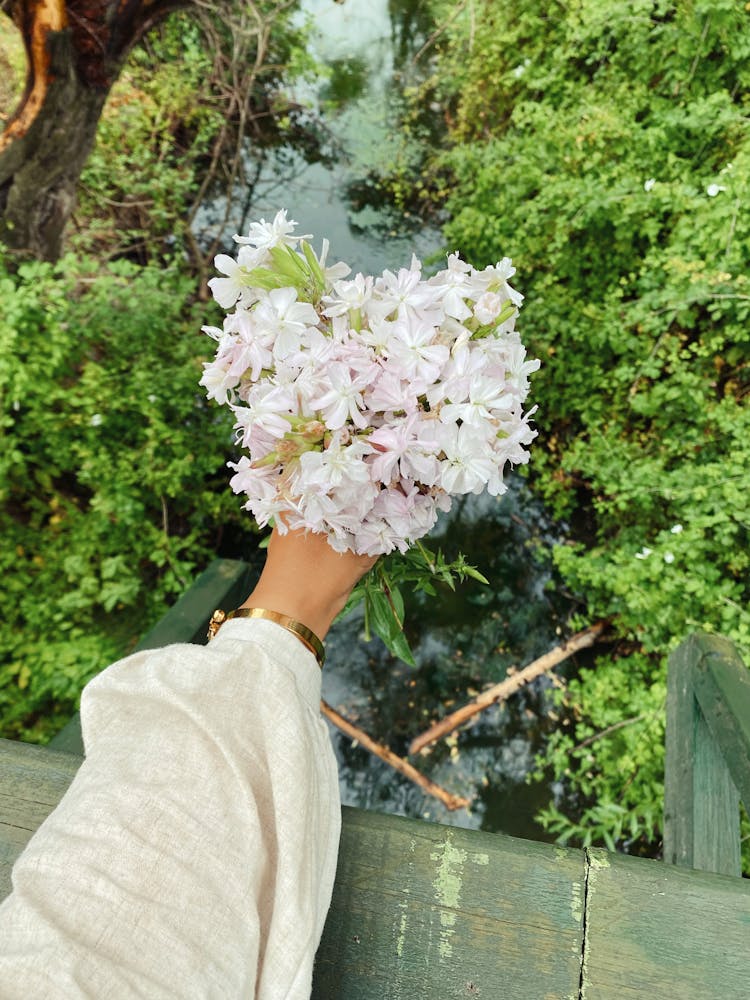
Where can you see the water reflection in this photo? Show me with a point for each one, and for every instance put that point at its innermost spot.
(351, 132)
(463, 641)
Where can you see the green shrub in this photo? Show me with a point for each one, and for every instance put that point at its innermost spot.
(606, 149)
(112, 480)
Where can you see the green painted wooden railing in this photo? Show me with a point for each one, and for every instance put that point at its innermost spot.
(707, 768)
(430, 912)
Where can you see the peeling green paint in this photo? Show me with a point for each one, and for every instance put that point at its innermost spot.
(599, 860)
(400, 940)
(447, 885)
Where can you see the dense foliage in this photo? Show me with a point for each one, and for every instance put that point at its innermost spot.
(112, 479)
(606, 148)
(112, 486)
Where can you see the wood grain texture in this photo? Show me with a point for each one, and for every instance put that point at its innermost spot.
(32, 782)
(707, 754)
(664, 933)
(426, 911)
(435, 913)
(722, 687)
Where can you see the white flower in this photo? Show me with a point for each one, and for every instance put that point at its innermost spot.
(644, 553)
(648, 185)
(349, 295)
(713, 189)
(333, 272)
(343, 400)
(488, 307)
(495, 279)
(412, 350)
(281, 314)
(227, 290)
(362, 412)
(676, 529)
(454, 287)
(469, 462)
(485, 395)
(406, 291)
(669, 557)
(264, 235)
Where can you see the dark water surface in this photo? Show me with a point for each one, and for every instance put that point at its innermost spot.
(466, 640)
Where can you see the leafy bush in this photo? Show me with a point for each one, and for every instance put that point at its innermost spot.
(606, 149)
(112, 480)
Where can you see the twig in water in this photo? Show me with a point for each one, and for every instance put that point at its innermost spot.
(498, 692)
(449, 800)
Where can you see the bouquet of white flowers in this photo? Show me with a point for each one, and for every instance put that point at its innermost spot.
(365, 404)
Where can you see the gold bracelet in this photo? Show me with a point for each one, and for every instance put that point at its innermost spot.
(305, 635)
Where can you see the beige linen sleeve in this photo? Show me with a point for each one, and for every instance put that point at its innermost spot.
(194, 854)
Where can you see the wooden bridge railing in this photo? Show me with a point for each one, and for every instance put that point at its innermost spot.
(707, 768)
(431, 912)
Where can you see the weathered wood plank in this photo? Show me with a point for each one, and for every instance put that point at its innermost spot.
(662, 932)
(32, 782)
(426, 911)
(225, 583)
(722, 687)
(435, 913)
(701, 801)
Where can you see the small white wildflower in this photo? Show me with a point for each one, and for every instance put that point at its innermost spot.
(647, 185)
(96, 420)
(713, 189)
(644, 553)
(676, 529)
(669, 557)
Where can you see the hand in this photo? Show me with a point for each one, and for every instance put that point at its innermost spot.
(304, 578)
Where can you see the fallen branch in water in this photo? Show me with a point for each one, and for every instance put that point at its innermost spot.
(501, 691)
(449, 800)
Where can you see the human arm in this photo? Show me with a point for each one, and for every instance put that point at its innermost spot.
(195, 852)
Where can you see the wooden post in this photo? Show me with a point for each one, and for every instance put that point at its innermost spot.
(707, 755)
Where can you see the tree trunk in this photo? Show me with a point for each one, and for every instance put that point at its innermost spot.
(75, 51)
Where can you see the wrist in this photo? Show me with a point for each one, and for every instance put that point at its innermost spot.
(316, 614)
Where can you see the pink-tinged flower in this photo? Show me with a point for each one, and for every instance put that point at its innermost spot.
(495, 279)
(454, 287)
(348, 295)
(469, 461)
(390, 393)
(264, 235)
(251, 349)
(375, 537)
(413, 353)
(403, 450)
(485, 397)
(343, 400)
(365, 411)
(281, 314)
(405, 292)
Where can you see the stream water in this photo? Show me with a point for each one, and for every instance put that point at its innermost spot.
(465, 640)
